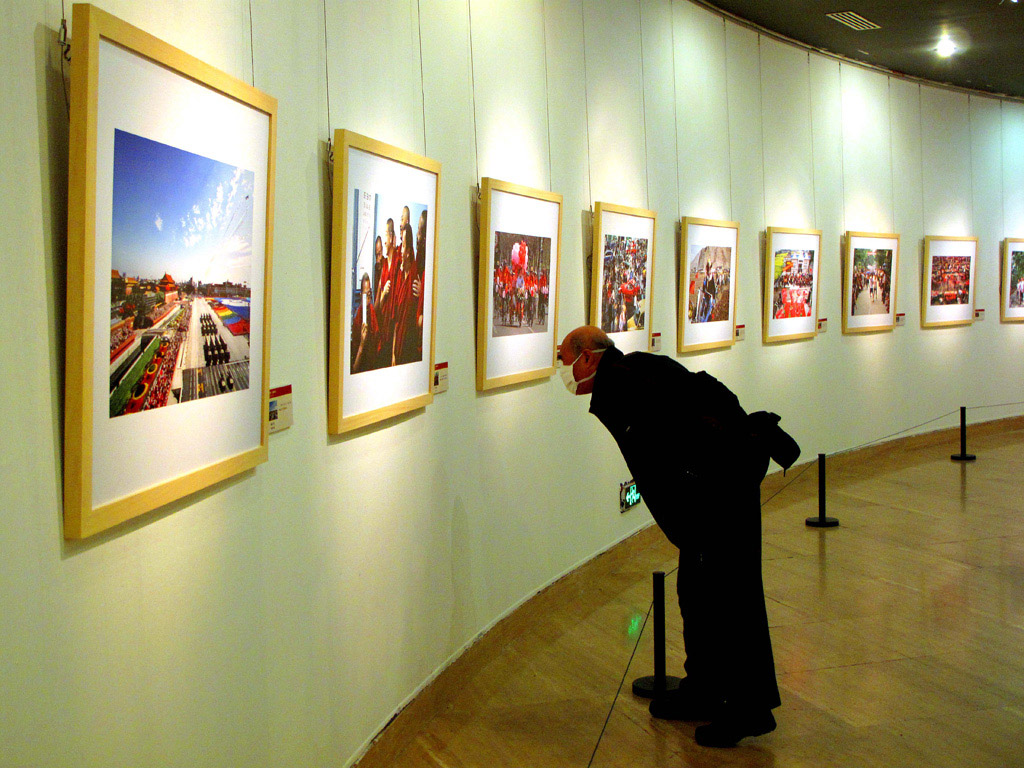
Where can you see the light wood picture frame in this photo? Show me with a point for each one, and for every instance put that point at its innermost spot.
(170, 233)
(870, 279)
(707, 284)
(1011, 281)
(622, 281)
(792, 261)
(948, 271)
(383, 282)
(517, 300)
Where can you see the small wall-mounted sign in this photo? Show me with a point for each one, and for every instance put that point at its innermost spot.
(655, 342)
(979, 314)
(440, 378)
(280, 408)
(901, 319)
(822, 324)
(741, 332)
(629, 496)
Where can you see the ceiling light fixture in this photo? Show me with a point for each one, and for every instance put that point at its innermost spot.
(946, 47)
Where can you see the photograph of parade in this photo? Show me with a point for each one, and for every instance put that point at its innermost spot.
(180, 280)
(1016, 279)
(872, 269)
(951, 280)
(710, 271)
(389, 262)
(793, 283)
(624, 286)
(520, 283)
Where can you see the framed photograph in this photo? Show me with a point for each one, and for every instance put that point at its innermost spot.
(870, 263)
(791, 262)
(947, 282)
(707, 284)
(1011, 281)
(520, 252)
(170, 227)
(623, 274)
(383, 275)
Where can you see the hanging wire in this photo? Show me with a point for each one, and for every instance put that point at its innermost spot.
(252, 54)
(65, 55)
(327, 77)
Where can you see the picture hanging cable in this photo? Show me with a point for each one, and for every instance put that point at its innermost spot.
(252, 55)
(764, 153)
(842, 145)
(327, 79)
(423, 94)
(728, 124)
(643, 106)
(586, 102)
(675, 116)
(810, 122)
(547, 97)
(892, 155)
(65, 55)
(472, 85)
(970, 150)
(920, 138)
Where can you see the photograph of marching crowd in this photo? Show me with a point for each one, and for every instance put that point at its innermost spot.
(388, 267)
(624, 285)
(793, 284)
(950, 280)
(710, 275)
(177, 213)
(520, 283)
(1016, 279)
(872, 271)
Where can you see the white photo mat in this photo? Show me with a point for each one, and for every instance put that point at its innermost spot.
(1011, 299)
(134, 452)
(778, 239)
(948, 314)
(617, 223)
(383, 387)
(854, 323)
(697, 235)
(520, 214)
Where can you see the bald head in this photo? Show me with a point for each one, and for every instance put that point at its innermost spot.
(585, 337)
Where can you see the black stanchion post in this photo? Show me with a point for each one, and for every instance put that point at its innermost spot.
(963, 455)
(658, 683)
(821, 521)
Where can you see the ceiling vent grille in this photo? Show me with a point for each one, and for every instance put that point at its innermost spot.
(853, 20)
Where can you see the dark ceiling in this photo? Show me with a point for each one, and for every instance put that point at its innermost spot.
(988, 33)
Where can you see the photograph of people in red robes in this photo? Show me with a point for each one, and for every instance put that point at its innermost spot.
(388, 267)
(710, 277)
(793, 285)
(951, 280)
(520, 283)
(624, 284)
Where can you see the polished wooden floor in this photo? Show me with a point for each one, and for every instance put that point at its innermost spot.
(898, 637)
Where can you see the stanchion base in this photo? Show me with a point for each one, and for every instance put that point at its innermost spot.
(644, 686)
(822, 522)
(963, 457)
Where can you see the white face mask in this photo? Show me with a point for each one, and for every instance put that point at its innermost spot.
(565, 371)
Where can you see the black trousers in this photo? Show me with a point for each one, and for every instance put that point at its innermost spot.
(721, 595)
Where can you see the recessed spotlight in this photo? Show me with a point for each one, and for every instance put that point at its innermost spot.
(946, 47)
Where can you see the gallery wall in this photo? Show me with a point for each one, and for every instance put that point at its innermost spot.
(282, 617)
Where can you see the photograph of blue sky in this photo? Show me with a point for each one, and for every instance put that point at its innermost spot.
(179, 213)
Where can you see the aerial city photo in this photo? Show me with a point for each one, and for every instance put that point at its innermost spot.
(180, 280)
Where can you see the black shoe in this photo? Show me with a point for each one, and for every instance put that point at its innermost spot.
(727, 731)
(682, 704)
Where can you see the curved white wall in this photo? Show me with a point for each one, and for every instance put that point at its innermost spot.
(282, 618)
